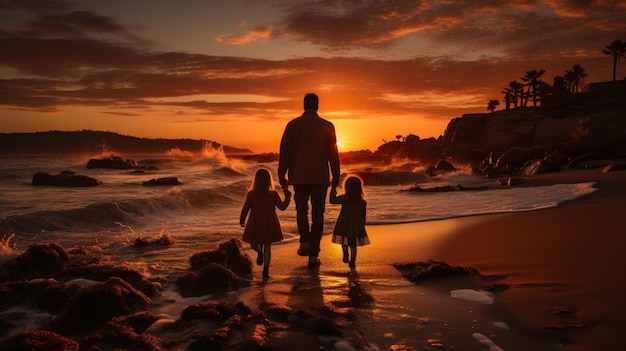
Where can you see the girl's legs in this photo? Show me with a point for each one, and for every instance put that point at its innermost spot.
(352, 256)
(267, 256)
(345, 253)
(259, 252)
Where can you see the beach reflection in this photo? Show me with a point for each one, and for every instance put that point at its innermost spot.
(358, 295)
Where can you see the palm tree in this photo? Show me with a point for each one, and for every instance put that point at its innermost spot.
(532, 80)
(508, 98)
(569, 78)
(575, 78)
(616, 49)
(513, 93)
(492, 105)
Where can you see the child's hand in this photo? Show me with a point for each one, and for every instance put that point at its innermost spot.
(242, 224)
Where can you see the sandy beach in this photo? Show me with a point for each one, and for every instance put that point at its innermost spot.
(561, 265)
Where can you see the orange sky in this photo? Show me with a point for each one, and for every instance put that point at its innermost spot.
(235, 71)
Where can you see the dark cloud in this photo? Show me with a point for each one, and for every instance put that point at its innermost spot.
(76, 23)
(349, 24)
(499, 27)
(35, 6)
(52, 19)
(81, 58)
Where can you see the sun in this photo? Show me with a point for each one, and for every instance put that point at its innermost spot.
(338, 143)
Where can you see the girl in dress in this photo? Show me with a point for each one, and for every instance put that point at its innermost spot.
(350, 227)
(263, 228)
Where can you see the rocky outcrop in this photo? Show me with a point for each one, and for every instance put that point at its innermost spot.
(125, 333)
(473, 137)
(228, 254)
(582, 124)
(412, 147)
(213, 278)
(38, 340)
(163, 181)
(221, 270)
(116, 162)
(95, 304)
(113, 162)
(65, 178)
(38, 261)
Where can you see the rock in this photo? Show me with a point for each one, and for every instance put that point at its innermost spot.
(582, 123)
(38, 261)
(113, 162)
(54, 297)
(163, 181)
(102, 273)
(95, 304)
(431, 269)
(38, 340)
(580, 161)
(213, 278)
(160, 240)
(64, 179)
(443, 165)
(512, 158)
(217, 311)
(125, 333)
(24, 292)
(412, 147)
(229, 255)
(237, 333)
(541, 166)
(435, 189)
(602, 131)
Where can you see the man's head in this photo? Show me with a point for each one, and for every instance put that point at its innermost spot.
(311, 102)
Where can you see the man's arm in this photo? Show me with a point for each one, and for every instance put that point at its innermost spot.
(333, 157)
(284, 156)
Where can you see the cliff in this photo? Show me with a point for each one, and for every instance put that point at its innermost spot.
(590, 122)
(593, 121)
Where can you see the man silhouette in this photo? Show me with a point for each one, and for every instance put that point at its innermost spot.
(307, 150)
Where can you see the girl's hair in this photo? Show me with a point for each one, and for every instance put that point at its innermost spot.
(262, 183)
(353, 188)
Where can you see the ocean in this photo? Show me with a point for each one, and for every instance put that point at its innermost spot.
(205, 209)
(105, 220)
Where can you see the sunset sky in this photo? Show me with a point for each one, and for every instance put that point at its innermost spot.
(235, 71)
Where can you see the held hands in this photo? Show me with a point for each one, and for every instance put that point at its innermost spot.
(283, 183)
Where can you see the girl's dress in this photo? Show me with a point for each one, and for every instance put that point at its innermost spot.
(350, 226)
(263, 226)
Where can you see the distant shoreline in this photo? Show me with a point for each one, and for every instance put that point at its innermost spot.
(99, 142)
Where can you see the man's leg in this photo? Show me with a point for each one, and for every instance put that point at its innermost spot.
(318, 203)
(301, 198)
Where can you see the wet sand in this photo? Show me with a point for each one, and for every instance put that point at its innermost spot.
(566, 282)
(565, 264)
